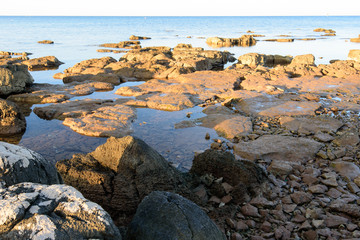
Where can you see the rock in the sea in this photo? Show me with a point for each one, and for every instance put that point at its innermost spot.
(14, 79)
(354, 54)
(133, 37)
(255, 59)
(19, 164)
(247, 177)
(243, 41)
(119, 174)
(46, 42)
(36, 211)
(164, 215)
(12, 120)
(277, 147)
(43, 63)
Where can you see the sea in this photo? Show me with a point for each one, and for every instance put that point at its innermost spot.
(78, 38)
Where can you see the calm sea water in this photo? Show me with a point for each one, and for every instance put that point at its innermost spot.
(77, 39)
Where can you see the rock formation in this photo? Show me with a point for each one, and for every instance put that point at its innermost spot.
(243, 41)
(14, 79)
(12, 120)
(164, 215)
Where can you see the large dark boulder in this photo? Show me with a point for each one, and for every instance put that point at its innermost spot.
(19, 164)
(168, 216)
(119, 174)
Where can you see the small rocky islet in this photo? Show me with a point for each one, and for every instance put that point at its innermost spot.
(288, 167)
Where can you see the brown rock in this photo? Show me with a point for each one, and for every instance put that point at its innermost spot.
(311, 124)
(14, 79)
(43, 63)
(266, 227)
(240, 225)
(119, 174)
(346, 169)
(244, 41)
(349, 138)
(308, 59)
(350, 209)
(249, 210)
(310, 235)
(280, 168)
(318, 188)
(46, 42)
(280, 148)
(334, 220)
(334, 193)
(354, 54)
(12, 120)
(301, 197)
(133, 37)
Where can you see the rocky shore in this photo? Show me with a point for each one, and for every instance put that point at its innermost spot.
(287, 167)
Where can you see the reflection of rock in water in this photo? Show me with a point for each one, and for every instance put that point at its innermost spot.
(61, 144)
(14, 139)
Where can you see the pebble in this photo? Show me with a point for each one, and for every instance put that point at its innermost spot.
(301, 197)
(334, 220)
(250, 210)
(240, 225)
(318, 188)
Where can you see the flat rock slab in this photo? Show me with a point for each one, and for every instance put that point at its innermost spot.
(277, 147)
(104, 122)
(36, 211)
(311, 124)
(270, 106)
(346, 169)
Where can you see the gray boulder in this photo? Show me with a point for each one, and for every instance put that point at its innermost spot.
(164, 215)
(14, 79)
(12, 121)
(19, 164)
(36, 211)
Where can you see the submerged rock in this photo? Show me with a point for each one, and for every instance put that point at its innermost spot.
(19, 164)
(164, 215)
(119, 174)
(36, 211)
(12, 120)
(14, 79)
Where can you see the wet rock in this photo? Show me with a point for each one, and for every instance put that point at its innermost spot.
(119, 174)
(164, 215)
(243, 41)
(14, 79)
(301, 197)
(237, 173)
(12, 120)
(133, 37)
(19, 164)
(277, 147)
(43, 63)
(35, 211)
(46, 42)
(354, 54)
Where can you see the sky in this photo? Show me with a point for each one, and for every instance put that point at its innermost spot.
(179, 8)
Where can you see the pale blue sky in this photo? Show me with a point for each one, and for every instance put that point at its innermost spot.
(180, 8)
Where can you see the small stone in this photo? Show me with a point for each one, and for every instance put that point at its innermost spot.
(215, 145)
(207, 136)
(261, 202)
(299, 218)
(215, 199)
(353, 187)
(236, 236)
(325, 232)
(250, 210)
(356, 234)
(226, 199)
(334, 220)
(280, 168)
(266, 227)
(322, 154)
(231, 223)
(351, 227)
(240, 226)
(200, 191)
(333, 193)
(309, 180)
(227, 187)
(340, 152)
(318, 188)
(251, 223)
(317, 223)
(305, 226)
(289, 208)
(331, 182)
(310, 235)
(323, 137)
(301, 197)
